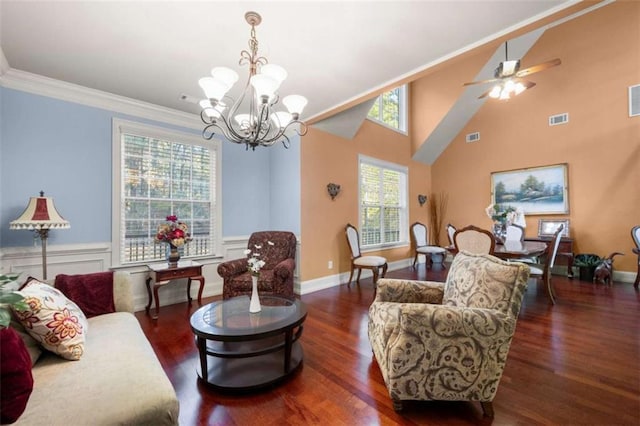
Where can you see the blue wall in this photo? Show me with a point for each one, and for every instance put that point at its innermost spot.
(65, 148)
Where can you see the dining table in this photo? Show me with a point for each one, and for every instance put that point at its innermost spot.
(514, 249)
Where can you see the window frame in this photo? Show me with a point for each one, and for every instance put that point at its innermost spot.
(403, 103)
(120, 127)
(404, 208)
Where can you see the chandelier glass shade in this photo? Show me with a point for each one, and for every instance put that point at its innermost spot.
(251, 119)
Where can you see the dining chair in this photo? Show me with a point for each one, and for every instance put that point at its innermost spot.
(450, 231)
(420, 236)
(514, 233)
(635, 234)
(474, 240)
(360, 262)
(545, 272)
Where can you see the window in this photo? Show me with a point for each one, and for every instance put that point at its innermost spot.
(160, 173)
(390, 109)
(383, 203)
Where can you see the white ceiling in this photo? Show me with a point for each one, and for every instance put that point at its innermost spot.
(334, 51)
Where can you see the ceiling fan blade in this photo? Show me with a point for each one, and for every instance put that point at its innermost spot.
(537, 68)
(485, 94)
(481, 81)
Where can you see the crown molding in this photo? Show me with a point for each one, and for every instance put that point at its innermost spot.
(49, 87)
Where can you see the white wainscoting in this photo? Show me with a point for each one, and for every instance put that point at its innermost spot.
(96, 257)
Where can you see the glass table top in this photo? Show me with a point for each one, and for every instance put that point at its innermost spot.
(231, 317)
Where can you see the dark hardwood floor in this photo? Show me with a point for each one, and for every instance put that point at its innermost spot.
(577, 362)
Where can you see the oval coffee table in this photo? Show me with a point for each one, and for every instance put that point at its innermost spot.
(240, 351)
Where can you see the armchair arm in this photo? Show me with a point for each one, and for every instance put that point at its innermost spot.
(232, 268)
(407, 291)
(284, 269)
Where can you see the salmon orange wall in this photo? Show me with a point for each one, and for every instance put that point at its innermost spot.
(328, 158)
(600, 54)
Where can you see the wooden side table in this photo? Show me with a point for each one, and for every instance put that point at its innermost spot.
(162, 275)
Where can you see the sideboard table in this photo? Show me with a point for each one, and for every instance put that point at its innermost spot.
(161, 274)
(565, 250)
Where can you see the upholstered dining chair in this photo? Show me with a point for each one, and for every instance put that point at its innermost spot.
(278, 250)
(550, 258)
(635, 234)
(474, 240)
(514, 233)
(360, 262)
(420, 237)
(450, 231)
(448, 341)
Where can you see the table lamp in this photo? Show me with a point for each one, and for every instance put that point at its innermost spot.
(40, 216)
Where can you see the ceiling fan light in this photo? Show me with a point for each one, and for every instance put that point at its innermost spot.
(495, 92)
(274, 71)
(226, 75)
(519, 88)
(504, 95)
(213, 88)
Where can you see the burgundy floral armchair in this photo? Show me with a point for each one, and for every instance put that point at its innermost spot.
(276, 276)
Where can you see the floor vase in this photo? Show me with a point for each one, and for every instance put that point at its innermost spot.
(254, 305)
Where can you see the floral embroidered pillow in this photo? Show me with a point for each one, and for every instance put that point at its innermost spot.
(53, 320)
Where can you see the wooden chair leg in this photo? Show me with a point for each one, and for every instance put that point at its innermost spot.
(487, 408)
(384, 270)
(350, 277)
(415, 259)
(550, 289)
(397, 405)
(358, 277)
(635, 284)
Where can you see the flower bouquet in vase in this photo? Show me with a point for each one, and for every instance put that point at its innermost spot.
(175, 234)
(254, 264)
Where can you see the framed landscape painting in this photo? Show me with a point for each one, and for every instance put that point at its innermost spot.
(536, 190)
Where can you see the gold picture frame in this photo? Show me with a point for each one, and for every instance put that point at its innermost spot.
(535, 190)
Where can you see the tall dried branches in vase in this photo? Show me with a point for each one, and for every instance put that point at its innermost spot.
(437, 209)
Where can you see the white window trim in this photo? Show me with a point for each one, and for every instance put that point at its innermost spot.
(119, 127)
(404, 219)
(403, 111)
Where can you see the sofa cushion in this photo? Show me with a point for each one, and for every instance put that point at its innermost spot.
(93, 293)
(16, 378)
(53, 320)
(118, 381)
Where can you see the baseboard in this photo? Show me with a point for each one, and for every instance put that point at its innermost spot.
(322, 283)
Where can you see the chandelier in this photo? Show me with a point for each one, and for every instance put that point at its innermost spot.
(251, 119)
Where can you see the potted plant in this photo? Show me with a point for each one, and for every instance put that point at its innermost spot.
(587, 264)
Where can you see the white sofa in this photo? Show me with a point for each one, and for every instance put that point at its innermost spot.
(118, 379)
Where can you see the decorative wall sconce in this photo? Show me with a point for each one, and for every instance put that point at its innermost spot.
(333, 189)
(422, 199)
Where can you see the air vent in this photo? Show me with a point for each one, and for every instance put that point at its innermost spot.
(634, 100)
(473, 137)
(557, 119)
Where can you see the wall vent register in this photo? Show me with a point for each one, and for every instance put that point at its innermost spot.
(557, 119)
(473, 137)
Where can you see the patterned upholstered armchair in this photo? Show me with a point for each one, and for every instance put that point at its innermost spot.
(436, 341)
(276, 276)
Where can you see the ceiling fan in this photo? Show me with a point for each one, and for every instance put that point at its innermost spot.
(508, 76)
